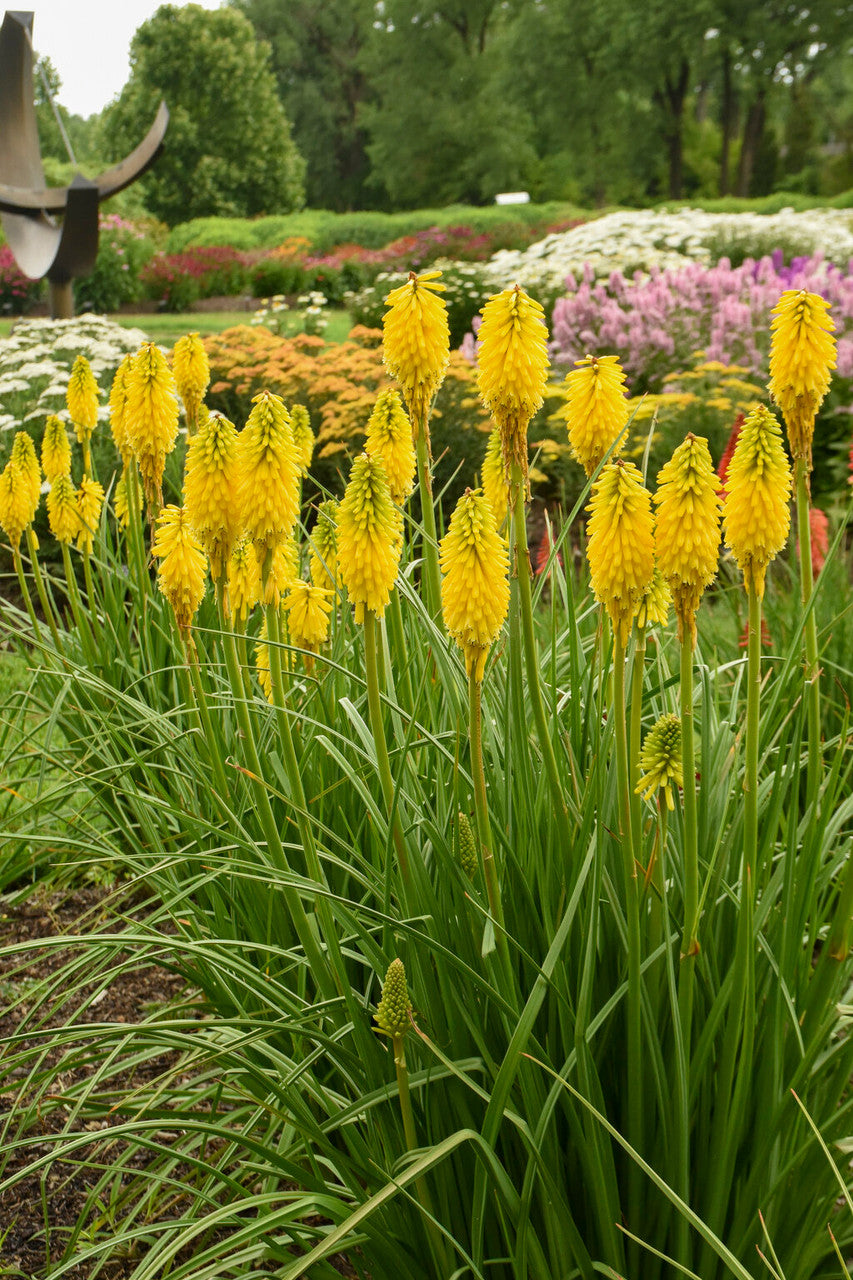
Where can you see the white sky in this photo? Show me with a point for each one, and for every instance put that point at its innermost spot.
(88, 41)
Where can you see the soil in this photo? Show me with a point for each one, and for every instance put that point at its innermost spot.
(37, 1213)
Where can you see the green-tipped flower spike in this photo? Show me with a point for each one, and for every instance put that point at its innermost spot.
(512, 362)
(596, 409)
(120, 501)
(475, 586)
(118, 408)
(82, 399)
(393, 1013)
(244, 579)
(687, 535)
(151, 418)
(90, 499)
(655, 603)
(269, 474)
(467, 846)
(55, 449)
(211, 484)
(192, 374)
(183, 565)
(802, 353)
(370, 538)
(756, 510)
(660, 760)
(389, 437)
(62, 511)
(416, 345)
(324, 546)
(303, 436)
(494, 477)
(620, 547)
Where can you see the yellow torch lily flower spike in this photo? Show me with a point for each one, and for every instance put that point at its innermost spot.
(688, 528)
(183, 565)
(82, 399)
(90, 499)
(389, 437)
(55, 449)
(62, 510)
(416, 345)
(151, 418)
(269, 474)
(475, 587)
(494, 477)
(191, 368)
(655, 603)
(120, 500)
(370, 537)
(512, 364)
(620, 546)
(211, 485)
(23, 456)
(19, 491)
(262, 663)
(303, 436)
(308, 610)
(118, 408)
(244, 579)
(323, 556)
(596, 409)
(660, 760)
(283, 572)
(802, 353)
(756, 510)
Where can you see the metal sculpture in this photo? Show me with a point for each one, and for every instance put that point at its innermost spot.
(52, 231)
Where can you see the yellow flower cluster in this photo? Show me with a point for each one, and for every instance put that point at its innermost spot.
(90, 499)
(151, 418)
(269, 474)
(688, 527)
(244, 579)
(55, 449)
(494, 476)
(756, 511)
(20, 489)
(620, 547)
(283, 571)
(192, 374)
(389, 437)
(656, 602)
(211, 483)
(308, 610)
(62, 511)
(118, 408)
(475, 587)
(370, 537)
(182, 565)
(802, 353)
(416, 345)
(81, 398)
(512, 362)
(303, 436)
(596, 409)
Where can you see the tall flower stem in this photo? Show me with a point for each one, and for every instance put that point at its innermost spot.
(432, 578)
(410, 1132)
(534, 691)
(315, 956)
(90, 595)
(484, 828)
(632, 916)
(812, 672)
(44, 600)
(689, 942)
(25, 593)
(635, 739)
(134, 532)
(374, 704)
(80, 621)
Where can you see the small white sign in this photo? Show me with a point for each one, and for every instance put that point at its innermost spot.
(513, 197)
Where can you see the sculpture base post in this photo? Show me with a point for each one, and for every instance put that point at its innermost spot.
(61, 300)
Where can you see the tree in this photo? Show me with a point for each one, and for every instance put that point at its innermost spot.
(442, 125)
(317, 47)
(228, 150)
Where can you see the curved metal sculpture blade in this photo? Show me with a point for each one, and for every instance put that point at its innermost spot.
(43, 246)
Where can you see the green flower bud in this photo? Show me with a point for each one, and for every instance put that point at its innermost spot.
(467, 846)
(393, 1011)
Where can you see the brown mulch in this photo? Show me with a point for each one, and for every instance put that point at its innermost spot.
(38, 1213)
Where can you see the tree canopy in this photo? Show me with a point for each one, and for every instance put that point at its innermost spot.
(229, 149)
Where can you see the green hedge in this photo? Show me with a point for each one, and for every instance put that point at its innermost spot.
(370, 229)
(764, 204)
